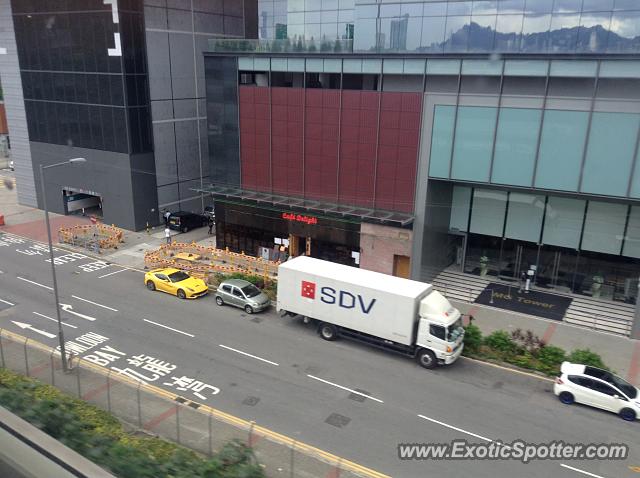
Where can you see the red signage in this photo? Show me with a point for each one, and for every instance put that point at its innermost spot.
(290, 216)
(308, 289)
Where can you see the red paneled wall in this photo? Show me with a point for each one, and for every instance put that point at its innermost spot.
(255, 118)
(322, 111)
(286, 140)
(344, 159)
(358, 136)
(398, 150)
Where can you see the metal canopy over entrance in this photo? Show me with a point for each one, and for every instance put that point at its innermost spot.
(331, 209)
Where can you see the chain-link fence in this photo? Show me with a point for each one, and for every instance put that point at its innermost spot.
(171, 416)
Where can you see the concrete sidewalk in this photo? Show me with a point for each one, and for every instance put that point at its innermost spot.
(619, 353)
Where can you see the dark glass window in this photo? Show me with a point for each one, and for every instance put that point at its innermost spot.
(222, 126)
(437, 331)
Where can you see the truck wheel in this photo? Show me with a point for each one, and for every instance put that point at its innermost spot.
(328, 332)
(426, 359)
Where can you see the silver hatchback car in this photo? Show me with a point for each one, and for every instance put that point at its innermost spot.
(243, 294)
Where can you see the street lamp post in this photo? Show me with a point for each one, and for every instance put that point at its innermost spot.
(63, 352)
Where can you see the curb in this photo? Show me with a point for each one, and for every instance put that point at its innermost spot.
(509, 369)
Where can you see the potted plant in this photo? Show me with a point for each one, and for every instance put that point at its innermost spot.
(596, 285)
(484, 265)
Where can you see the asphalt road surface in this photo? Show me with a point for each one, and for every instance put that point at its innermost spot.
(351, 400)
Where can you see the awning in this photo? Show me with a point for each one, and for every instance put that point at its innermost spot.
(319, 207)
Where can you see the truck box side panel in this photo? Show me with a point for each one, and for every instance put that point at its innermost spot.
(369, 309)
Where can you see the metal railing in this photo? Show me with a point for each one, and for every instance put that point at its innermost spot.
(296, 45)
(191, 424)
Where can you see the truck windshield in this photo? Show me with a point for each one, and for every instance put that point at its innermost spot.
(455, 330)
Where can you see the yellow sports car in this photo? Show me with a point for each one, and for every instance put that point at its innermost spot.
(175, 282)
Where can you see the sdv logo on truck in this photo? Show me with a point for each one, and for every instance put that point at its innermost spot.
(345, 299)
(341, 298)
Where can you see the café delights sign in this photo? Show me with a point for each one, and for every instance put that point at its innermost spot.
(291, 216)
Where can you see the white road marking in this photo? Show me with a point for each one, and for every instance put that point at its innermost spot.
(345, 388)
(167, 327)
(111, 273)
(249, 355)
(22, 325)
(456, 428)
(55, 320)
(34, 283)
(581, 471)
(7, 302)
(68, 308)
(95, 303)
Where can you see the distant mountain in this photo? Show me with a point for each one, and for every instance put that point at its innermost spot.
(474, 37)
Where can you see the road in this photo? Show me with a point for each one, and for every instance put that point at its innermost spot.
(279, 373)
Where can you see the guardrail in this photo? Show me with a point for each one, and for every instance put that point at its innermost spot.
(192, 424)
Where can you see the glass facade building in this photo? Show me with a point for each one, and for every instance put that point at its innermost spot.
(75, 92)
(527, 152)
(473, 26)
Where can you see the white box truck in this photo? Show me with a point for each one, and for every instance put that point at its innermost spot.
(397, 314)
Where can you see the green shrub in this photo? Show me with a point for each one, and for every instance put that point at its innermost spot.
(501, 341)
(550, 358)
(472, 339)
(587, 357)
(101, 438)
(255, 280)
(526, 360)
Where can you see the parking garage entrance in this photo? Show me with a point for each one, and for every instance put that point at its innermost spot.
(82, 202)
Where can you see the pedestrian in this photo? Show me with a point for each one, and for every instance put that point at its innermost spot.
(210, 224)
(166, 215)
(167, 234)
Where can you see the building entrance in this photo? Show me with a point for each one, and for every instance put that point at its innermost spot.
(256, 231)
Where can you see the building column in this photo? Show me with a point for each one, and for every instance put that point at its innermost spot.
(635, 325)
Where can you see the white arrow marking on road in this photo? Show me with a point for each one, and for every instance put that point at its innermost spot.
(27, 326)
(55, 320)
(68, 308)
(94, 303)
(7, 302)
(34, 283)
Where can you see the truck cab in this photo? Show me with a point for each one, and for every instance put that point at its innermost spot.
(440, 331)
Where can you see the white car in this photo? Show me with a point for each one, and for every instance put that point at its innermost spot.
(597, 388)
